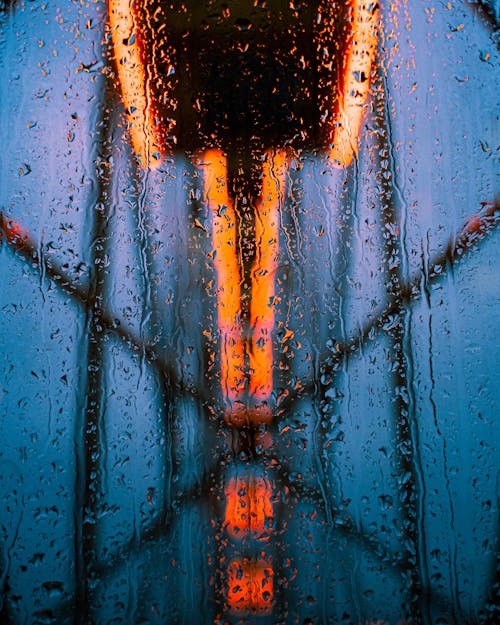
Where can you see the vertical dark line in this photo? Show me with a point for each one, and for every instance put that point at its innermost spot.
(490, 614)
(166, 405)
(399, 339)
(327, 417)
(88, 442)
(452, 554)
(169, 456)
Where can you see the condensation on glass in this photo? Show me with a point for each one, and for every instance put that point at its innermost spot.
(248, 306)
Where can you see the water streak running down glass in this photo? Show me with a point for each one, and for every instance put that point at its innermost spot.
(248, 312)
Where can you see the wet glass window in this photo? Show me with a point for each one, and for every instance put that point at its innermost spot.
(248, 312)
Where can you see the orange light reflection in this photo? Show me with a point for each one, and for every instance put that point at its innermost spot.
(250, 586)
(263, 276)
(234, 374)
(249, 507)
(360, 55)
(132, 78)
(228, 274)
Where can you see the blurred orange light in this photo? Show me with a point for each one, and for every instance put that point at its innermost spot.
(249, 506)
(360, 54)
(132, 78)
(235, 375)
(263, 276)
(250, 586)
(224, 234)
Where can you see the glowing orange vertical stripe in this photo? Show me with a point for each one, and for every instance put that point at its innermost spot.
(360, 55)
(263, 275)
(228, 274)
(132, 79)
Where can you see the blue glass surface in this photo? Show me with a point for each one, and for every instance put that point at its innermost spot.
(115, 458)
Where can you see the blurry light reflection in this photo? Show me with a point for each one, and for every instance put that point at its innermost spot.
(249, 507)
(250, 586)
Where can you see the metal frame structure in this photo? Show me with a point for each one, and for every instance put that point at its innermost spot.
(392, 319)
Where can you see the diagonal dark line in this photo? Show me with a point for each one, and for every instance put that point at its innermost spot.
(475, 230)
(120, 558)
(161, 528)
(342, 522)
(344, 526)
(19, 240)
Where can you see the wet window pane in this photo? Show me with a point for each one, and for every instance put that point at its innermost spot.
(249, 306)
